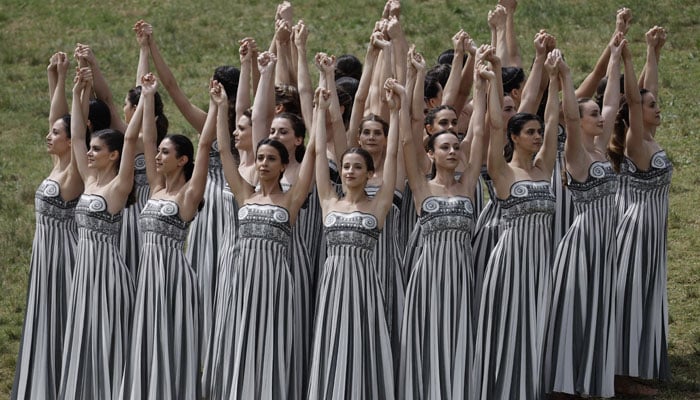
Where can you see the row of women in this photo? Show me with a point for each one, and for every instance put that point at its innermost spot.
(363, 264)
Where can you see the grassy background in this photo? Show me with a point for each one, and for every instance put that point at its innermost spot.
(195, 38)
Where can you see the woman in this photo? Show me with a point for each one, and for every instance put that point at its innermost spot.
(437, 310)
(96, 342)
(642, 300)
(254, 358)
(351, 353)
(38, 369)
(580, 356)
(164, 358)
(514, 306)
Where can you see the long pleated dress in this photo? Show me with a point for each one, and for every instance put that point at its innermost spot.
(164, 351)
(261, 315)
(642, 300)
(486, 233)
(204, 241)
(130, 236)
(438, 300)
(390, 271)
(38, 370)
(509, 349)
(221, 333)
(580, 350)
(352, 355)
(96, 343)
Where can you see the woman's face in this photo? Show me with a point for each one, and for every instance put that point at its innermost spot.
(591, 119)
(354, 171)
(57, 140)
(128, 109)
(530, 137)
(167, 160)
(268, 163)
(445, 151)
(372, 137)
(282, 131)
(99, 156)
(445, 120)
(650, 110)
(243, 135)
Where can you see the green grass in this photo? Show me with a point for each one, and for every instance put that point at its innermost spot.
(194, 38)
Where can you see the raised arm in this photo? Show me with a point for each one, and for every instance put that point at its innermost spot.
(283, 70)
(218, 116)
(590, 84)
(306, 92)
(327, 65)
(649, 78)
(484, 78)
(57, 72)
(325, 190)
(144, 51)
(467, 79)
(87, 58)
(395, 97)
(299, 191)
(377, 105)
(358, 107)
(530, 99)
(449, 93)
(264, 105)
(124, 180)
(634, 141)
(78, 122)
(399, 47)
(511, 39)
(547, 155)
(149, 86)
(576, 157)
(497, 21)
(193, 114)
(611, 98)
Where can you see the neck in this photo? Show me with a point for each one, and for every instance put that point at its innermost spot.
(355, 195)
(105, 176)
(174, 182)
(270, 187)
(522, 159)
(61, 162)
(444, 177)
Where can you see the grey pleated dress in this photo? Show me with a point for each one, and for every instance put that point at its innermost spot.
(164, 355)
(580, 350)
(38, 370)
(204, 241)
(437, 309)
(352, 355)
(509, 349)
(642, 299)
(96, 343)
(130, 237)
(256, 364)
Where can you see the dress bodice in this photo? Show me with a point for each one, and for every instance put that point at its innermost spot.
(446, 213)
(140, 178)
(161, 218)
(264, 221)
(48, 201)
(602, 182)
(355, 229)
(92, 216)
(526, 198)
(657, 176)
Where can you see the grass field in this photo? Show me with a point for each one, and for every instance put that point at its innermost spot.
(194, 38)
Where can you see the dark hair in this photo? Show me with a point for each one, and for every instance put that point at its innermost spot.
(348, 84)
(114, 140)
(430, 146)
(513, 77)
(99, 115)
(430, 116)
(287, 96)
(66, 124)
(515, 125)
(441, 72)
(616, 146)
(364, 153)
(348, 65)
(183, 147)
(162, 123)
(447, 56)
(299, 131)
(229, 76)
(375, 118)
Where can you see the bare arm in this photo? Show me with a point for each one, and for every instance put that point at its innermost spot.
(395, 95)
(148, 89)
(511, 38)
(576, 156)
(144, 51)
(530, 99)
(376, 102)
(611, 98)
(546, 157)
(358, 107)
(649, 78)
(59, 104)
(124, 180)
(634, 141)
(449, 93)
(467, 79)
(339, 144)
(497, 22)
(484, 75)
(264, 105)
(399, 48)
(306, 93)
(81, 94)
(283, 70)
(326, 193)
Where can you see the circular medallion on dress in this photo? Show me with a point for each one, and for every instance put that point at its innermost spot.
(280, 215)
(519, 189)
(243, 212)
(369, 221)
(331, 219)
(658, 161)
(51, 189)
(431, 205)
(215, 145)
(169, 208)
(97, 204)
(140, 162)
(597, 170)
(468, 206)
